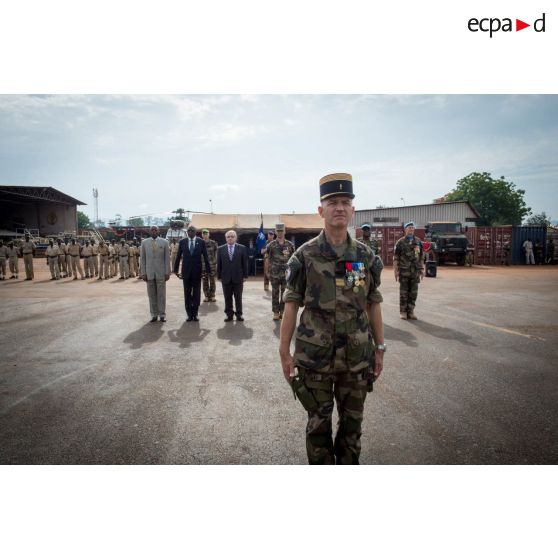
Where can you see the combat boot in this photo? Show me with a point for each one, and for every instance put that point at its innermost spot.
(411, 315)
(403, 315)
(276, 316)
(206, 299)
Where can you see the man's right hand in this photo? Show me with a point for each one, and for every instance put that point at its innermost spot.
(396, 273)
(287, 363)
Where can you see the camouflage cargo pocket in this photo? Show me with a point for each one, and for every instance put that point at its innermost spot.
(314, 352)
(359, 348)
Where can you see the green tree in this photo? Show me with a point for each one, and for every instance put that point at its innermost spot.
(83, 221)
(539, 219)
(498, 201)
(135, 222)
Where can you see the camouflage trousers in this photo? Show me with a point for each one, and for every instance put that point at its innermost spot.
(408, 291)
(209, 285)
(349, 391)
(278, 287)
(266, 273)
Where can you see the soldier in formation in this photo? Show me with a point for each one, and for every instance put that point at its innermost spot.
(94, 258)
(74, 250)
(3, 260)
(137, 245)
(209, 278)
(115, 258)
(104, 255)
(270, 238)
(52, 255)
(339, 345)
(278, 252)
(13, 255)
(68, 257)
(367, 239)
(408, 268)
(87, 253)
(28, 249)
(132, 260)
(123, 254)
(62, 258)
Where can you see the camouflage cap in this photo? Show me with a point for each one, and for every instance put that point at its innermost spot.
(205, 231)
(336, 184)
(366, 226)
(409, 224)
(279, 227)
(270, 231)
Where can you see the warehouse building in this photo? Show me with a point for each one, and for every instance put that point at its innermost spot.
(42, 210)
(462, 212)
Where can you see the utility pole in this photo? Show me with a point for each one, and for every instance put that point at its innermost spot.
(96, 205)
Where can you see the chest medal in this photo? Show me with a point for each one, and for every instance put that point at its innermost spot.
(354, 275)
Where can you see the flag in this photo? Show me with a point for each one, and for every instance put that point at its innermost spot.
(260, 239)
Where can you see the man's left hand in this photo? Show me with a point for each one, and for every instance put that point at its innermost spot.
(378, 363)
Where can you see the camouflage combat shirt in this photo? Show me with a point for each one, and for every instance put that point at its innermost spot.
(334, 335)
(408, 255)
(279, 255)
(212, 247)
(372, 243)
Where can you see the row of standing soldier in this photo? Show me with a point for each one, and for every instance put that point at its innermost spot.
(103, 260)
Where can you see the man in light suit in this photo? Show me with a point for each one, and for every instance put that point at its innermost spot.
(190, 251)
(155, 271)
(232, 271)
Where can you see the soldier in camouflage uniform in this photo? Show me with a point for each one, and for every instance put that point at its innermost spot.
(368, 240)
(278, 253)
(408, 267)
(209, 278)
(270, 238)
(339, 346)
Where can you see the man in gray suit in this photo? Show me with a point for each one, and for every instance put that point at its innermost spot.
(155, 271)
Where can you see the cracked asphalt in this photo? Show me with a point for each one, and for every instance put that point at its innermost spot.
(84, 379)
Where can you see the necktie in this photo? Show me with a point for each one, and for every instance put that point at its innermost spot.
(230, 252)
(191, 246)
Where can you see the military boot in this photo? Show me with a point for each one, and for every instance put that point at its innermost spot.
(411, 315)
(276, 316)
(206, 299)
(403, 315)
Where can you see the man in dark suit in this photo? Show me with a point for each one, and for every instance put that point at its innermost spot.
(191, 250)
(232, 271)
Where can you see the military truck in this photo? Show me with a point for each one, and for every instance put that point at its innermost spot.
(449, 243)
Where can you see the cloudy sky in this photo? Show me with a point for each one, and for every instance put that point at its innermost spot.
(251, 154)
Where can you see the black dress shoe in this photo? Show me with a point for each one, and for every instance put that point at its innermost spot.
(162, 319)
(195, 319)
(239, 319)
(189, 319)
(153, 319)
(228, 319)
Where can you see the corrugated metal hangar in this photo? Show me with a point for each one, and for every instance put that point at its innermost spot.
(462, 212)
(40, 208)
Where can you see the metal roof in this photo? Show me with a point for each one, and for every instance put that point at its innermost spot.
(38, 193)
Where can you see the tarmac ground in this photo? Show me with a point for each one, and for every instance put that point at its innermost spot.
(85, 379)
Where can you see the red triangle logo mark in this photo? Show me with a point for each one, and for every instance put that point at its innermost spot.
(519, 25)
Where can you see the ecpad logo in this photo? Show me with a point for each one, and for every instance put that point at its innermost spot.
(493, 25)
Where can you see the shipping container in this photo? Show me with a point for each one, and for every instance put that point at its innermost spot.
(520, 235)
